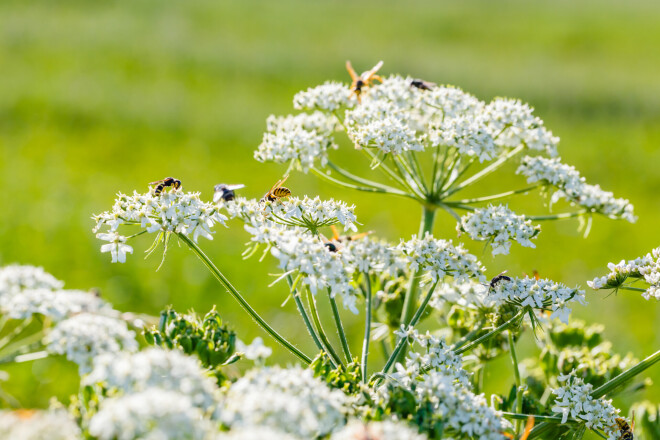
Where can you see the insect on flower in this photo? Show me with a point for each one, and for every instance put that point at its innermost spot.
(421, 84)
(225, 192)
(164, 183)
(276, 192)
(363, 80)
(626, 429)
(498, 278)
(334, 244)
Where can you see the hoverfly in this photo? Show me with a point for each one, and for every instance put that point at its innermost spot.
(162, 184)
(421, 84)
(277, 191)
(333, 244)
(225, 192)
(626, 429)
(363, 80)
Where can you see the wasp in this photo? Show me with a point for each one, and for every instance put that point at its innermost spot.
(225, 192)
(421, 84)
(363, 80)
(625, 429)
(277, 191)
(162, 184)
(498, 278)
(333, 244)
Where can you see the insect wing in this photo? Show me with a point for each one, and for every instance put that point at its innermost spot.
(235, 187)
(375, 69)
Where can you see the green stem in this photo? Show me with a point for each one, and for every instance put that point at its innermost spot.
(402, 342)
(626, 375)
(15, 332)
(491, 333)
(492, 197)
(340, 328)
(392, 191)
(311, 301)
(516, 374)
(308, 324)
(406, 170)
(556, 216)
(549, 419)
(486, 171)
(237, 296)
(393, 175)
(634, 289)
(367, 327)
(363, 181)
(461, 342)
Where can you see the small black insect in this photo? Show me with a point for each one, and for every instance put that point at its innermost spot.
(164, 183)
(498, 278)
(421, 84)
(225, 192)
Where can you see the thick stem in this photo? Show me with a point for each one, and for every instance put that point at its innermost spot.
(319, 329)
(516, 374)
(237, 296)
(303, 313)
(491, 333)
(340, 329)
(626, 375)
(402, 342)
(367, 327)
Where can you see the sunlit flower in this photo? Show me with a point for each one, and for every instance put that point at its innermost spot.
(256, 351)
(38, 425)
(645, 268)
(56, 305)
(330, 96)
(16, 278)
(385, 430)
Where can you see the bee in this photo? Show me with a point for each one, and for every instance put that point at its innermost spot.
(421, 84)
(225, 192)
(333, 245)
(498, 278)
(162, 184)
(626, 429)
(276, 192)
(363, 80)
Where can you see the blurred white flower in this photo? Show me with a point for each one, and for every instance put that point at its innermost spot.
(385, 430)
(56, 305)
(15, 278)
(256, 351)
(329, 96)
(291, 400)
(499, 225)
(85, 336)
(153, 414)
(154, 368)
(255, 433)
(38, 425)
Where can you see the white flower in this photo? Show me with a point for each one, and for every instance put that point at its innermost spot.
(439, 258)
(499, 225)
(453, 102)
(117, 246)
(385, 430)
(302, 139)
(153, 414)
(255, 433)
(470, 294)
(290, 400)
(438, 356)
(84, 336)
(38, 425)
(56, 305)
(310, 214)
(329, 96)
(154, 368)
(538, 294)
(256, 351)
(574, 188)
(468, 134)
(15, 278)
(646, 268)
(370, 255)
(574, 400)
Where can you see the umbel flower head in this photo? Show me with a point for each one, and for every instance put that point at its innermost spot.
(16, 278)
(646, 268)
(169, 212)
(38, 425)
(54, 304)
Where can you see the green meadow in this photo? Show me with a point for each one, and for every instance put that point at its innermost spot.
(101, 97)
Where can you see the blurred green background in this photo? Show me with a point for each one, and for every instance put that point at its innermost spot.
(100, 97)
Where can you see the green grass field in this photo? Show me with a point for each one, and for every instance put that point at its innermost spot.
(100, 97)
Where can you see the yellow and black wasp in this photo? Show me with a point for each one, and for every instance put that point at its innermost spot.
(225, 192)
(625, 429)
(276, 192)
(164, 183)
(363, 80)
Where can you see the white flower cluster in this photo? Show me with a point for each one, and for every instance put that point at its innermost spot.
(85, 336)
(438, 258)
(469, 134)
(290, 400)
(302, 139)
(256, 351)
(38, 425)
(55, 304)
(329, 97)
(453, 102)
(573, 187)
(542, 294)
(372, 255)
(512, 123)
(470, 294)
(386, 430)
(255, 433)
(437, 356)
(153, 414)
(464, 414)
(16, 278)
(378, 124)
(499, 225)
(574, 400)
(168, 370)
(170, 212)
(646, 267)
